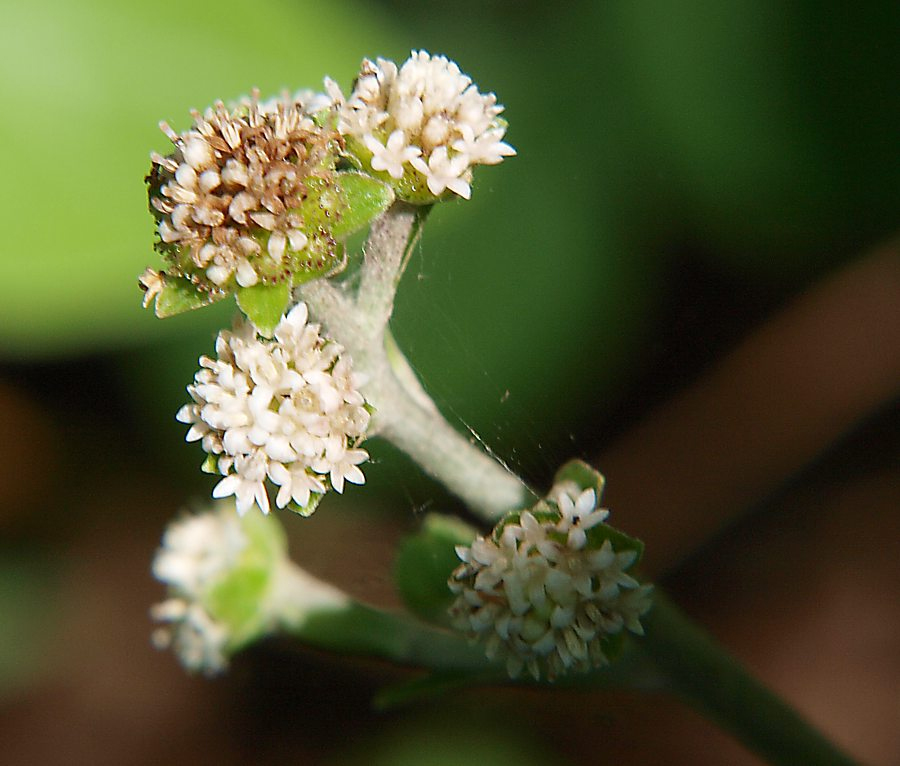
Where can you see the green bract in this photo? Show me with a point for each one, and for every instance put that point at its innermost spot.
(411, 187)
(238, 600)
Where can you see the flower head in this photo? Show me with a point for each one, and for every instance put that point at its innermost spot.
(287, 410)
(549, 588)
(422, 126)
(205, 617)
(229, 199)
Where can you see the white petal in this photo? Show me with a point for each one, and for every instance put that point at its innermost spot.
(245, 274)
(277, 242)
(297, 239)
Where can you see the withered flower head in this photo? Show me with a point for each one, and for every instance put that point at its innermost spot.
(230, 199)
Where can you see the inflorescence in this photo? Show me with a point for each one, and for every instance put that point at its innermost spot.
(424, 125)
(544, 593)
(286, 409)
(254, 200)
(226, 199)
(197, 552)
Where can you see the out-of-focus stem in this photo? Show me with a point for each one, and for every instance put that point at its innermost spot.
(712, 681)
(321, 615)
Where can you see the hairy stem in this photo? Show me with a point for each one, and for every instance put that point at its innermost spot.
(404, 413)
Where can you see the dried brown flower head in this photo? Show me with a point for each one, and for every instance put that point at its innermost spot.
(229, 199)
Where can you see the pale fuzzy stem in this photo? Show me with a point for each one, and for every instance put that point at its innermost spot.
(404, 414)
(423, 433)
(296, 593)
(391, 238)
(405, 374)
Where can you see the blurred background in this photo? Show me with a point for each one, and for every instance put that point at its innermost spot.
(689, 275)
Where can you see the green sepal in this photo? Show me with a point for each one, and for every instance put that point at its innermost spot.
(425, 562)
(343, 203)
(619, 541)
(237, 600)
(264, 305)
(411, 187)
(583, 475)
(179, 295)
(210, 464)
(310, 508)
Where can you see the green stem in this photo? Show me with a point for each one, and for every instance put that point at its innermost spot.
(706, 677)
(364, 630)
(322, 615)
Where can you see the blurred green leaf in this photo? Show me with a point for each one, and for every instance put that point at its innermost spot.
(772, 147)
(424, 563)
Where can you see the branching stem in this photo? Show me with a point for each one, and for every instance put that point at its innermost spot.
(404, 413)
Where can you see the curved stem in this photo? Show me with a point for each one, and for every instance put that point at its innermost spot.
(708, 678)
(423, 433)
(390, 243)
(404, 413)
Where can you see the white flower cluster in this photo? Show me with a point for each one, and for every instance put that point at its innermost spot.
(226, 197)
(540, 596)
(286, 409)
(197, 552)
(426, 116)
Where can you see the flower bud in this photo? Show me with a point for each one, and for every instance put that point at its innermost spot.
(549, 589)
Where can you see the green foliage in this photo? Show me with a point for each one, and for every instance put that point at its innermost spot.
(347, 205)
(424, 563)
